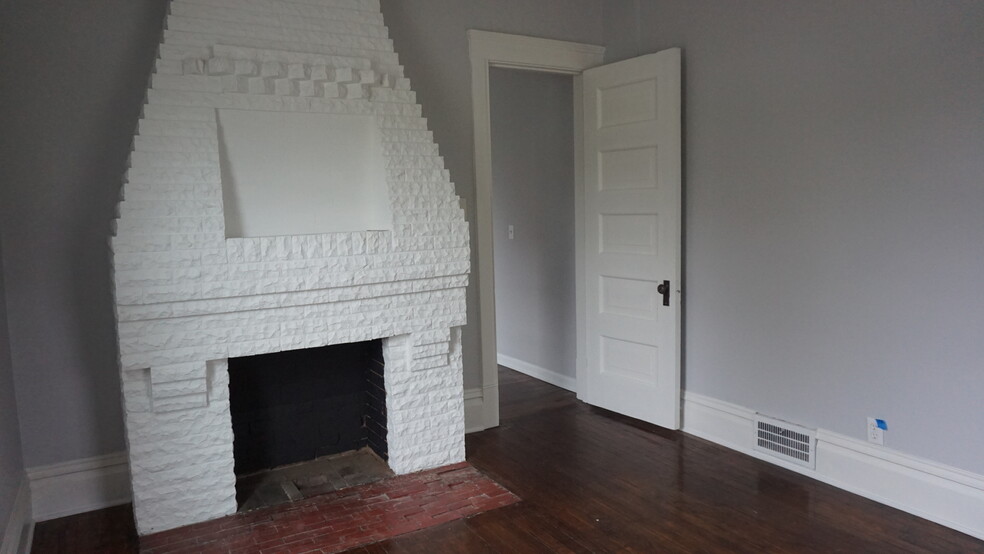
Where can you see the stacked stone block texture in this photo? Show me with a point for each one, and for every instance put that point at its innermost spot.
(188, 298)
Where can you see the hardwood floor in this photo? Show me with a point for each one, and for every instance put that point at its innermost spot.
(593, 481)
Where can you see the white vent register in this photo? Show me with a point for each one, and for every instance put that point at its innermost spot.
(785, 440)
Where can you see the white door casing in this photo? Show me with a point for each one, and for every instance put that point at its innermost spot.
(487, 49)
(632, 237)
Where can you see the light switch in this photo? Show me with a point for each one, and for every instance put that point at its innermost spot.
(512, 233)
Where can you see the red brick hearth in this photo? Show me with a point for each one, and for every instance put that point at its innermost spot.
(343, 519)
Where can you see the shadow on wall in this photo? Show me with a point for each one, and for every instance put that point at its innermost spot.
(103, 162)
(82, 70)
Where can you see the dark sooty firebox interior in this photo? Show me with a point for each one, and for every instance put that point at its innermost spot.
(295, 406)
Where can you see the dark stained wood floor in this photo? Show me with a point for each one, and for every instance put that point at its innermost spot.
(593, 481)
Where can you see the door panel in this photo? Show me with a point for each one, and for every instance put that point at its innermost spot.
(632, 207)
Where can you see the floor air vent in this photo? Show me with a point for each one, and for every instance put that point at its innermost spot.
(785, 440)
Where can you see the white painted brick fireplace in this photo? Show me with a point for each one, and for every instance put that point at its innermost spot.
(189, 296)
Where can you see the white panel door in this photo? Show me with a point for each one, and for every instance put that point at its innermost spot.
(632, 213)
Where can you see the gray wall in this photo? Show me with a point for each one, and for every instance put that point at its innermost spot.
(11, 460)
(533, 190)
(74, 76)
(430, 39)
(833, 182)
(834, 210)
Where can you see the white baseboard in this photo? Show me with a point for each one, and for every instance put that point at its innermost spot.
(474, 410)
(557, 379)
(70, 488)
(939, 493)
(19, 531)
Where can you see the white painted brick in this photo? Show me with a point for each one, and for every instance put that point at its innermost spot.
(285, 87)
(235, 83)
(356, 91)
(433, 336)
(173, 404)
(332, 90)
(417, 175)
(404, 135)
(261, 55)
(415, 162)
(432, 349)
(192, 66)
(410, 149)
(267, 102)
(382, 94)
(259, 85)
(207, 242)
(320, 73)
(188, 298)
(220, 66)
(310, 88)
(429, 362)
(173, 389)
(177, 372)
(246, 68)
(344, 75)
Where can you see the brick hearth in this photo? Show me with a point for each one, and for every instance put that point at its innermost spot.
(339, 521)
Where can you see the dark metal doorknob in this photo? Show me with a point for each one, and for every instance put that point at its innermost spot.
(664, 289)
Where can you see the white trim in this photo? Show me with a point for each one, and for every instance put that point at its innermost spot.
(579, 226)
(536, 54)
(550, 376)
(15, 540)
(79, 486)
(474, 420)
(946, 495)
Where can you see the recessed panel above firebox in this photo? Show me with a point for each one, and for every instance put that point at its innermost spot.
(301, 174)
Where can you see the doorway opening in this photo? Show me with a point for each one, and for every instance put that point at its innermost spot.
(487, 52)
(533, 176)
(627, 224)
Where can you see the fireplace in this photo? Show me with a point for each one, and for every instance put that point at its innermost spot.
(230, 244)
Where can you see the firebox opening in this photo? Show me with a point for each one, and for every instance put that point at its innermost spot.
(304, 405)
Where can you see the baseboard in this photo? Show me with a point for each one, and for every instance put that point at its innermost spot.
(939, 493)
(557, 379)
(70, 488)
(19, 532)
(474, 410)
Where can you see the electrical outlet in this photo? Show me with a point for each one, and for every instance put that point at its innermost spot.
(876, 430)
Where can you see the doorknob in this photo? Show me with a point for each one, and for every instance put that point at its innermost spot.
(664, 289)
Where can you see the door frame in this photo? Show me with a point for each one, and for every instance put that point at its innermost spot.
(486, 50)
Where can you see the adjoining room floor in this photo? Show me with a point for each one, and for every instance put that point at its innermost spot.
(592, 481)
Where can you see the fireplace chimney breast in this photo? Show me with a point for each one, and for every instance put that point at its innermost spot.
(386, 257)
